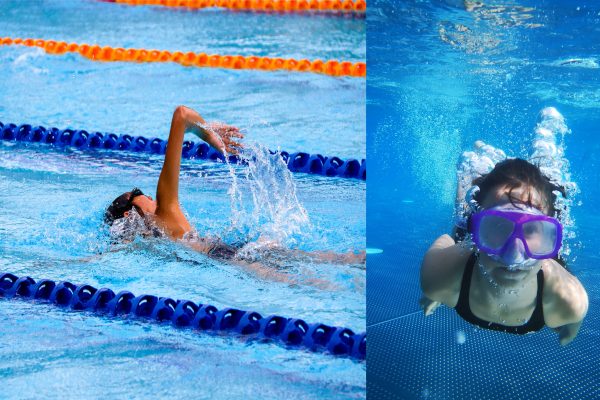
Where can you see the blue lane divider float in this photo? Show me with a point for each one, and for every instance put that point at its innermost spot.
(293, 332)
(84, 140)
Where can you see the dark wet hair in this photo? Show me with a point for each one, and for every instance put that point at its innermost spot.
(515, 173)
(120, 206)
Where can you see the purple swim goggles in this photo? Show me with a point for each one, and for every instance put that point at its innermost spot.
(494, 230)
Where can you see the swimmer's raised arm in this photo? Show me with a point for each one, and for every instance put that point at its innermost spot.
(219, 136)
(167, 191)
(441, 271)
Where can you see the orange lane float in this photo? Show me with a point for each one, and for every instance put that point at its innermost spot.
(191, 59)
(339, 6)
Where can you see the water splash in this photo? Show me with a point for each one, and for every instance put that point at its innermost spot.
(235, 194)
(265, 210)
(548, 152)
(126, 229)
(27, 60)
(277, 218)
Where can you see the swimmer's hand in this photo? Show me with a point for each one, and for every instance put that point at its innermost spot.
(429, 306)
(217, 134)
(222, 137)
(567, 333)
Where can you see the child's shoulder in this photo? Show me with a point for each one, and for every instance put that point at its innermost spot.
(557, 277)
(442, 270)
(565, 299)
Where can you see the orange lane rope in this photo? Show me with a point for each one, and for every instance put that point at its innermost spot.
(191, 59)
(345, 6)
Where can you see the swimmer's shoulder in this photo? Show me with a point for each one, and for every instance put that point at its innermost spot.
(442, 270)
(172, 221)
(565, 299)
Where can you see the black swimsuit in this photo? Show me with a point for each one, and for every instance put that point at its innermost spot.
(535, 323)
(212, 246)
(223, 250)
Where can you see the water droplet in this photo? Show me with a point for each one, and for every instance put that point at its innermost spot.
(461, 338)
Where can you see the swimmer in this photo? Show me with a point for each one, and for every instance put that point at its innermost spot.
(508, 277)
(137, 213)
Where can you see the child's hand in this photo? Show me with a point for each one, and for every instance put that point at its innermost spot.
(428, 306)
(217, 134)
(222, 137)
(567, 333)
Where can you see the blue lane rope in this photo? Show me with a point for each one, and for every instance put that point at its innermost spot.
(84, 140)
(293, 332)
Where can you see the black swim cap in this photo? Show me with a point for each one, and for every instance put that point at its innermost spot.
(120, 206)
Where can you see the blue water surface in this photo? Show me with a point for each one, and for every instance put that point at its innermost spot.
(52, 202)
(297, 112)
(443, 74)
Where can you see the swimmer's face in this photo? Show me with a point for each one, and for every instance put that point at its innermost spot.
(145, 205)
(521, 199)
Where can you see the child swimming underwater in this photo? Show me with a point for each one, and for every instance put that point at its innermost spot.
(135, 213)
(508, 278)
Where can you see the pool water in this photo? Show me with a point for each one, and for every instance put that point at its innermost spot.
(52, 202)
(443, 74)
(312, 112)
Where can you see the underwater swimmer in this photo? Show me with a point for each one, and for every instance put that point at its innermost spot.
(136, 213)
(509, 279)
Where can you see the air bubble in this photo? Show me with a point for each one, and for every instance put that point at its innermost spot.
(473, 164)
(548, 152)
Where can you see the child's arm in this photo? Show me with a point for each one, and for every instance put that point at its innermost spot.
(441, 271)
(167, 192)
(565, 302)
(326, 256)
(567, 333)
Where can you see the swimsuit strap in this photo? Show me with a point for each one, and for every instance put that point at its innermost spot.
(465, 285)
(463, 308)
(537, 318)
